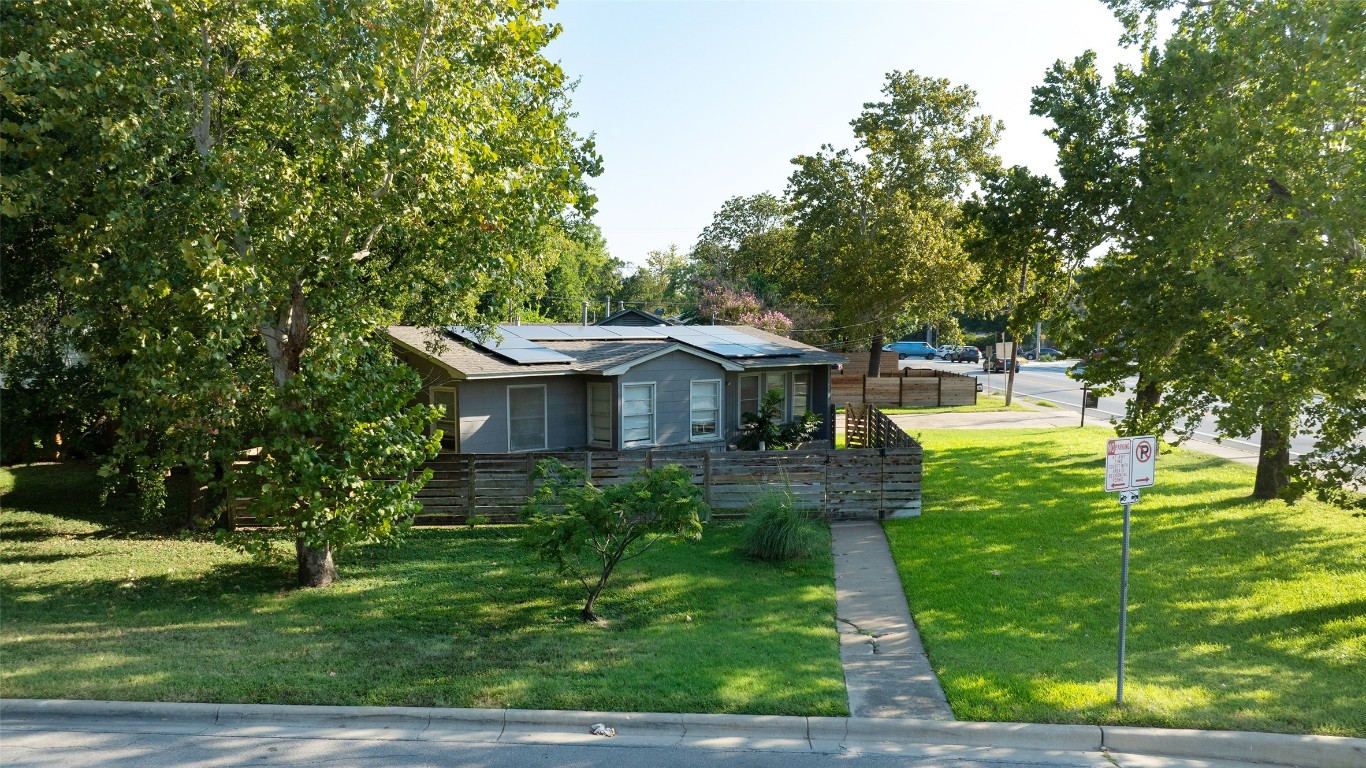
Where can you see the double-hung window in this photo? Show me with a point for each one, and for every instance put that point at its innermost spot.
(749, 395)
(526, 418)
(705, 409)
(801, 394)
(637, 414)
(777, 381)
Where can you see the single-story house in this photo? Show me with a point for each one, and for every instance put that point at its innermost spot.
(555, 387)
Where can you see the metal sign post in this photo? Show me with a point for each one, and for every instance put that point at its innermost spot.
(1130, 464)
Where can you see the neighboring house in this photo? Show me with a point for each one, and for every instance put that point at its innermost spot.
(611, 387)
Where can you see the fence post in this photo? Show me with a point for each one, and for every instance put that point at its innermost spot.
(650, 458)
(939, 388)
(901, 388)
(865, 388)
(706, 477)
(469, 486)
(588, 466)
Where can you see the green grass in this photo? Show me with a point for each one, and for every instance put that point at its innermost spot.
(1243, 614)
(453, 617)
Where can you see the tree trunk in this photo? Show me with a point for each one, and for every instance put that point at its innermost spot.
(315, 565)
(1273, 463)
(875, 356)
(1010, 370)
(1146, 397)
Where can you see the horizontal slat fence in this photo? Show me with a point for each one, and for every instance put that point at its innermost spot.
(839, 484)
(858, 363)
(914, 388)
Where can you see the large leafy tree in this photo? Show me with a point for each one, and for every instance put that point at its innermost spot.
(251, 190)
(1242, 255)
(879, 227)
(1015, 241)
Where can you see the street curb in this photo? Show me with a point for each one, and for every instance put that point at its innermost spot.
(1274, 748)
(778, 732)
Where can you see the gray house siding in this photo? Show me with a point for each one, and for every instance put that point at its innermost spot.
(484, 412)
(672, 375)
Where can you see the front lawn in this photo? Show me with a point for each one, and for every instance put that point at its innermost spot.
(1243, 614)
(453, 617)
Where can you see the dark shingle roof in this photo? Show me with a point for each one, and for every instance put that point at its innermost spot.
(589, 355)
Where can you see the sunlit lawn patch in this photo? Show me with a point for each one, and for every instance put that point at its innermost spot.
(454, 617)
(1244, 614)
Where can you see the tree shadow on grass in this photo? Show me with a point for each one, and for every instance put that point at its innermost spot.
(71, 491)
(450, 618)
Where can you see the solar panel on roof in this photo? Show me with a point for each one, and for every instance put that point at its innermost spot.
(512, 346)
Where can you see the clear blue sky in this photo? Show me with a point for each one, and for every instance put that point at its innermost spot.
(696, 102)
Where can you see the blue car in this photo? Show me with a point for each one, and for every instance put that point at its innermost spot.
(905, 349)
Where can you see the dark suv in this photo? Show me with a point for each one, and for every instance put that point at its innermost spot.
(966, 355)
(999, 365)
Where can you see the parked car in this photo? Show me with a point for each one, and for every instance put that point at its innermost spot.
(946, 351)
(966, 355)
(905, 349)
(1045, 352)
(998, 365)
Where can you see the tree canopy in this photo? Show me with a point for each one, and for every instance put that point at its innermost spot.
(1234, 287)
(249, 191)
(879, 227)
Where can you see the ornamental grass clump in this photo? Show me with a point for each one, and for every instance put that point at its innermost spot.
(779, 529)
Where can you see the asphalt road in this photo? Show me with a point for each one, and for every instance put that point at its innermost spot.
(1049, 381)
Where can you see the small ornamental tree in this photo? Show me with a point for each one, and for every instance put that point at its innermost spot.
(588, 530)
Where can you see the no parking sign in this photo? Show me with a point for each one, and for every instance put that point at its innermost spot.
(1130, 464)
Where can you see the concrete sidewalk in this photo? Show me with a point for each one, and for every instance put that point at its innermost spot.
(886, 671)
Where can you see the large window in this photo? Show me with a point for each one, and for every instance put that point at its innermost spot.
(637, 414)
(777, 381)
(705, 409)
(801, 394)
(526, 418)
(600, 414)
(749, 396)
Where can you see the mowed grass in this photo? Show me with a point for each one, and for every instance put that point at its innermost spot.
(453, 617)
(1243, 614)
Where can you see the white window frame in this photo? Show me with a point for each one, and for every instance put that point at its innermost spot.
(654, 415)
(720, 411)
(453, 416)
(589, 409)
(545, 417)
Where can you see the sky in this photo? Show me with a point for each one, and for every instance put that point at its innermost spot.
(693, 103)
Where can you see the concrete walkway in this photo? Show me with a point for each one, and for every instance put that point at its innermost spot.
(886, 671)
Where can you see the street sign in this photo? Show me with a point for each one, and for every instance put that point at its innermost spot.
(1130, 462)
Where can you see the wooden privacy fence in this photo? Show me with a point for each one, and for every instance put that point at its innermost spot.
(858, 363)
(914, 388)
(867, 427)
(839, 484)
